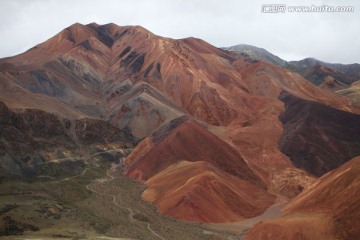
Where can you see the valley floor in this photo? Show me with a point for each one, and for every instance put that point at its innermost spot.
(76, 206)
(272, 212)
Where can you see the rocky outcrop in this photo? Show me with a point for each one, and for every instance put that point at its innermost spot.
(31, 137)
(31, 129)
(96, 131)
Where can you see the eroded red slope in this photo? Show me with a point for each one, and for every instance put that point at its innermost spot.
(329, 209)
(186, 140)
(192, 174)
(198, 191)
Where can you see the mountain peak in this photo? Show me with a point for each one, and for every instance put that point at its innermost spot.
(256, 53)
(81, 34)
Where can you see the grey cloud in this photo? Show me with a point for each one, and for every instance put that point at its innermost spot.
(332, 37)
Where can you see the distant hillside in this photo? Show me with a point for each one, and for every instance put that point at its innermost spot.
(351, 70)
(257, 54)
(333, 77)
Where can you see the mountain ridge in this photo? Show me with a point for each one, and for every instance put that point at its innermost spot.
(333, 77)
(185, 106)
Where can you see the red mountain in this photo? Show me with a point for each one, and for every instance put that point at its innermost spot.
(189, 104)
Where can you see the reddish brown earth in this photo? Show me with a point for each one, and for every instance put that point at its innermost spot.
(327, 210)
(198, 188)
(184, 100)
(186, 140)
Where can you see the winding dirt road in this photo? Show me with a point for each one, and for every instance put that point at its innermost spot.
(108, 178)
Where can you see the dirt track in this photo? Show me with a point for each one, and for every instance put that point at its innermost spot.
(108, 178)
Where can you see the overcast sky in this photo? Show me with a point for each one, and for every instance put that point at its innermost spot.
(331, 37)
